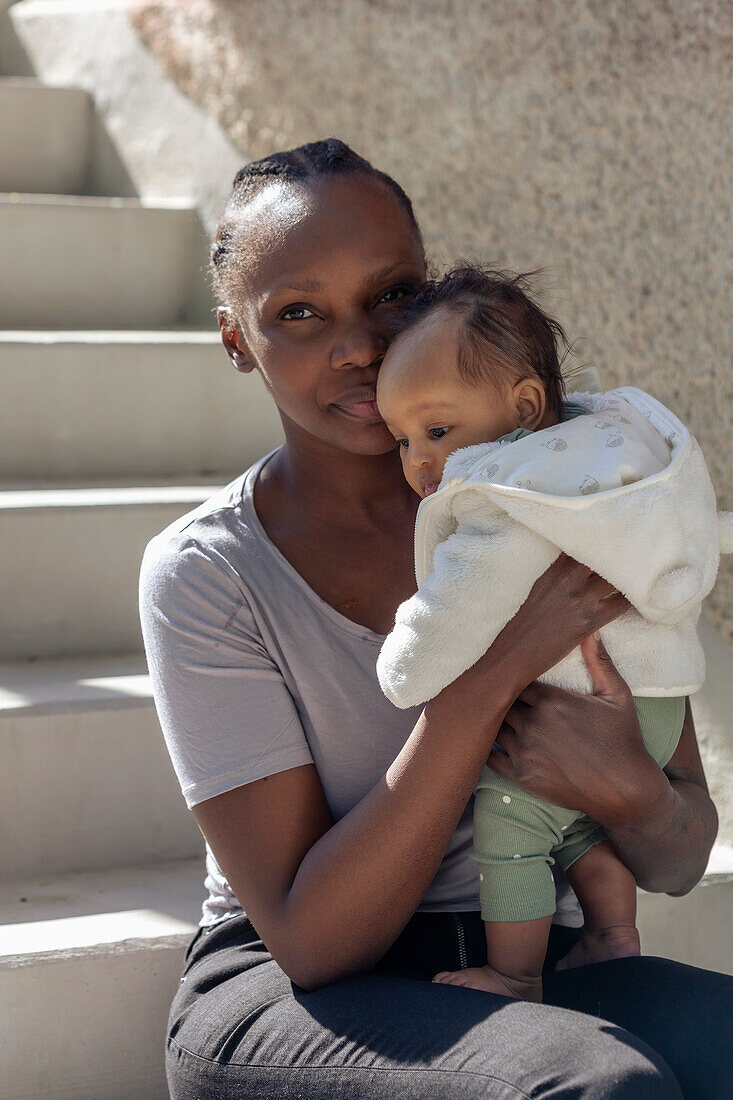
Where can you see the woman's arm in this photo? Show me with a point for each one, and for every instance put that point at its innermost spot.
(586, 752)
(329, 899)
(667, 843)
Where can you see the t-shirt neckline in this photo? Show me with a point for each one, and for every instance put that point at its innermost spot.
(248, 505)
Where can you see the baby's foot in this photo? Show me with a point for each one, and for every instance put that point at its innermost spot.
(491, 981)
(618, 942)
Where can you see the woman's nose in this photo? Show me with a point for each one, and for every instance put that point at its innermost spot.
(359, 345)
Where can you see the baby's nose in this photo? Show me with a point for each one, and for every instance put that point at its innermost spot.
(418, 456)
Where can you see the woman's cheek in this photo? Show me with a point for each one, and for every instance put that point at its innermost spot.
(290, 378)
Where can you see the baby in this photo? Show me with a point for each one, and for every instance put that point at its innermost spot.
(475, 374)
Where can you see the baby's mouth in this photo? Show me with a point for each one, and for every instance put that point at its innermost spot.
(429, 487)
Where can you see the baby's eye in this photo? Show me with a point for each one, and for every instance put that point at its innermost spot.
(297, 313)
(402, 442)
(438, 433)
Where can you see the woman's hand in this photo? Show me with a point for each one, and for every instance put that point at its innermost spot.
(584, 752)
(566, 604)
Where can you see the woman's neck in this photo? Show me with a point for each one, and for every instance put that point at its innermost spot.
(345, 523)
(335, 484)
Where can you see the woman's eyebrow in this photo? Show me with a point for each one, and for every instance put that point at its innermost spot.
(384, 272)
(314, 286)
(307, 286)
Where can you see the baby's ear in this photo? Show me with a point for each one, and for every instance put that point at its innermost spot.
(530, 403)
(233, 341)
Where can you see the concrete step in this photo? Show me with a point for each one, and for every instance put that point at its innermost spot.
(128, 404)
(91, 263)
(44, 136)
(696, 929)
(127, 931)
(70, 564)
(106, 794)
(712, 708)
(90, 962)
(14, 60)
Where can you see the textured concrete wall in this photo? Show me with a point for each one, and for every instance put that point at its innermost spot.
(590, 138)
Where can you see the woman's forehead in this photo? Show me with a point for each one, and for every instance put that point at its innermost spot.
(273, 213)
(308, 235)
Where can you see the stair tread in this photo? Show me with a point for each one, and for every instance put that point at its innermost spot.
(30, 686)
(166, 335)
(8, 82)
(23, 198)
(87, 912)
(720, 864)
(106, 495)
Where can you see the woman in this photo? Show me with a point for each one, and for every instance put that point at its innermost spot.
(330, 815)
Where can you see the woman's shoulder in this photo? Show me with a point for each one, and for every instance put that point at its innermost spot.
(213, 540)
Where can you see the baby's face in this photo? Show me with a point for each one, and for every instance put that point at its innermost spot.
(429, 408)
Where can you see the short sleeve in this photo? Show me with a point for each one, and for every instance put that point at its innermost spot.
(226, 713)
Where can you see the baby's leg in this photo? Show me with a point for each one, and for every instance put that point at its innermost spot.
(515, 952)
(606, 891)
(513, 834)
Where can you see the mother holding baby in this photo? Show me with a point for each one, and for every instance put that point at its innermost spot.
(339, 827)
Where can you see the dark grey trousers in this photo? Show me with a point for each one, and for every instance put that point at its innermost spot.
(637, 1029)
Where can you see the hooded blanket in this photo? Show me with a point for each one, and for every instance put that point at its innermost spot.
(624, 489)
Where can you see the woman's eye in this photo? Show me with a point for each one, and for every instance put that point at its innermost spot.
(395, 293)
(438, 433)
(297, 313)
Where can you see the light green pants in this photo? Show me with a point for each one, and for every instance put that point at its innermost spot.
(517, 837)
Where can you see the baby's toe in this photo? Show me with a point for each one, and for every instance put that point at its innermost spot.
(448, 977)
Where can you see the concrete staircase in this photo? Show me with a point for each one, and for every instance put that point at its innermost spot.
(119, 412)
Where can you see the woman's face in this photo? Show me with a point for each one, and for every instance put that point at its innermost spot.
(325, 270)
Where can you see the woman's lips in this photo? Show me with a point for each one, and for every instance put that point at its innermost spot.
(361, 403)
(365, 410)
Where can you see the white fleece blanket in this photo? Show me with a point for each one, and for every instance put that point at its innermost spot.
(623, 489)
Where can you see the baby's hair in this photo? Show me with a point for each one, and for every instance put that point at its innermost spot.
(295, 168)
(503, 328)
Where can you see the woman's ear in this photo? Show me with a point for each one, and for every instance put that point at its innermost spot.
(530, 403)
(233, 341)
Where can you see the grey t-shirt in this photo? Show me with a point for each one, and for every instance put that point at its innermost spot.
(254, 673)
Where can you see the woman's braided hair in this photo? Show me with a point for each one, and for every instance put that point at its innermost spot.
(296, 167)
(503, 330)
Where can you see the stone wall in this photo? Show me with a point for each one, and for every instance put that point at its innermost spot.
(590, 139)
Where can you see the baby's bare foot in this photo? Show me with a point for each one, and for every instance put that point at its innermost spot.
(491, 981)
(618, 942)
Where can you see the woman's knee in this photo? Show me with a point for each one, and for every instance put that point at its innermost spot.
(605, 1062)
(374, 1036)
(563, 1054)
(635, 1072)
